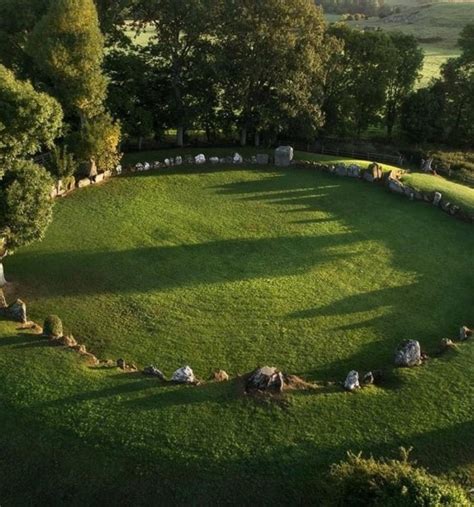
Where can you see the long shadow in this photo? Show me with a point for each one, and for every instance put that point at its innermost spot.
(161, 268)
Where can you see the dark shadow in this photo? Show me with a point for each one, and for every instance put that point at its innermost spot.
(162, 268)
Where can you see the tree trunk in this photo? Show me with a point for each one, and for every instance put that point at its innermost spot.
(2, 275)
(257, 139)
(180, 136)
(243, 136)
(3, 301)
(140, 143)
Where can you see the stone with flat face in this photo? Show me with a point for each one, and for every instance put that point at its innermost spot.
(284, 156)
(408, 354)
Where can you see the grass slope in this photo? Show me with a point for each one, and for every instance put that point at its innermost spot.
(443, 22)
(229, 267)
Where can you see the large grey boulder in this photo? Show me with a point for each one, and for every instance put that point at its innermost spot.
(353, 171)
(267, 378)
(408, 354)
(184, 375)
(396, 186)
(284, 156)
(352, 381)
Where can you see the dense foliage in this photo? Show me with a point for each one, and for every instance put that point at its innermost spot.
(366, 482)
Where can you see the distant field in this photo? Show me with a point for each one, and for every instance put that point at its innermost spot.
(437, 28)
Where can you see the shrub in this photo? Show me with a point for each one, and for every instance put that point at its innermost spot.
(53, 326)
(369, 482)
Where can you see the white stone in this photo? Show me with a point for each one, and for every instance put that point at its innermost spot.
(437, 198)
(237, 158)
(178, 160)
(85, 182)
(146, 166)
(352, 381)
(214, 160)
(184, 375)
(139, 167)
(2, 276)
(99, 178)
(200, 159)
(167, 162)
(118, 170)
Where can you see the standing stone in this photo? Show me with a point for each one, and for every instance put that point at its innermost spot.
(184, 375)
(283, 156)
(3, 282)
(200, 159)
(262, 159)
(214, 160)
(178, 160)
(265, 379)
(352, 381)
(408, 354)
(121, 364)
(437, 198)
(237, 158)
(375, 170)
(341, 170)
(464, 333)
(146, 166)
(118, 170)
(167, 162)
(369, 378)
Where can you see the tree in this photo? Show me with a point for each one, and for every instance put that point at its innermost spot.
(68, 48)
(29, 120)
(466, 43)
(25, 207)
(271, 55)
(184, 31)
(405, 62)
(361, 78)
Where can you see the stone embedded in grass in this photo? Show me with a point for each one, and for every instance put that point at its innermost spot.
(220, 376)
(66, 341)
(121, 364)
(16, 311)
(200, 159)
(437, 198)
(368, 378)
(284, 156)
(353, 171)
(341, 170)
(267, 378)
(375, 171)
(447, 344)
(237, 158)
(262, 159)
(214, 160)
(153, 371)
(464, 333)
(85, 182)
(396, 186)
(408, 354)
(118, 170)
(52, 327)
(352, 381)
(184, 375)
(178, 160)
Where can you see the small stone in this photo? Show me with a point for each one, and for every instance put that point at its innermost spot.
(341, 170)
(153, 371)
(156, 164)
(121, 364)
(437, 198)
(237, 158)
(118, 170)
(447, 344)
(184, 375)
(81, 349)
(167, 162)
(369, 378)
(214, 160)
(85, 182)
(67, 341)
(200, 159)
(464, 333)
(408, 354)
(220, 376)
(353, 171)
(352, 381)
(178, 160)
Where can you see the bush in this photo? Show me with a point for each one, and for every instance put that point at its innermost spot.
(53, 326)
(369, 482)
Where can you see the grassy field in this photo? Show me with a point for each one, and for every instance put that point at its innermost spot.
(232, 267)
(437, 28)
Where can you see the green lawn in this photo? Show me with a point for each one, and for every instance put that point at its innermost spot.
(232, 267)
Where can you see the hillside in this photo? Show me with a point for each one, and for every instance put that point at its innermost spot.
(436, 26)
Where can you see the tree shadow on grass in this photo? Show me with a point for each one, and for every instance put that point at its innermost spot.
(161, 268)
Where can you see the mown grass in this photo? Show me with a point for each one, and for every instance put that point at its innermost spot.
(232, 267)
